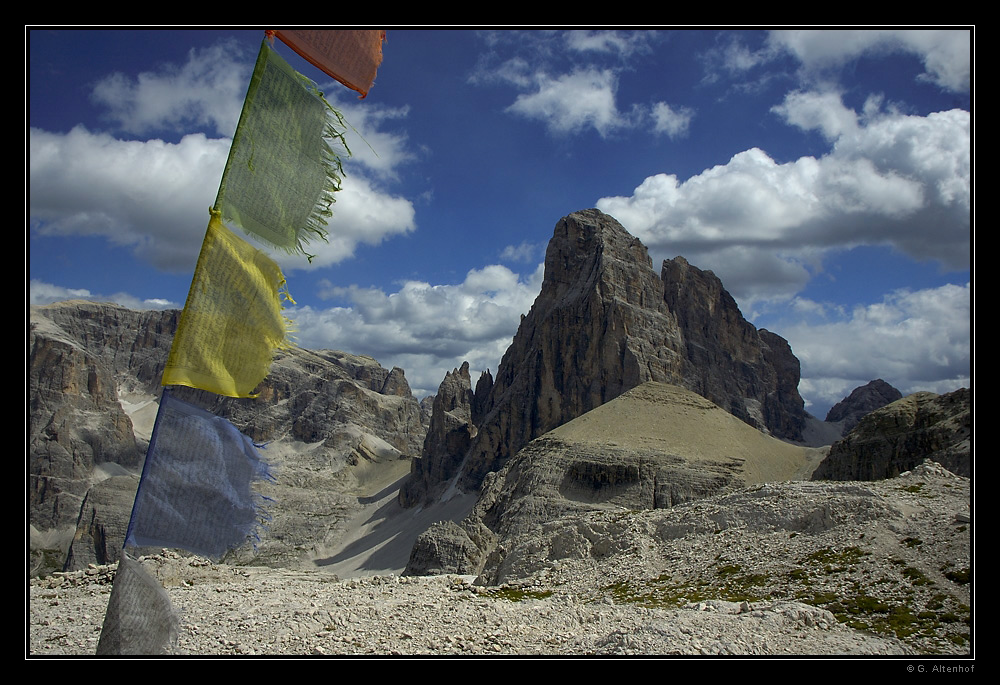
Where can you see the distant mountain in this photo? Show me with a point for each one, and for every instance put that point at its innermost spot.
(94, 382)
(346, 433)
(862, 400)
(603, 323)
(899, 436)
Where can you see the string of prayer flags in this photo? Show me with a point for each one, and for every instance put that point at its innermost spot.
(139, 619)
(232, 322)
(282, 172)
(352, 57)
(196, 488)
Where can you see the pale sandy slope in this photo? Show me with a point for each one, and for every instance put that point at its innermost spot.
(653, 416)
(378, 540)
(667, 418)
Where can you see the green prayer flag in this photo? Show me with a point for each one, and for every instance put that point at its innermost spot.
(282, 171)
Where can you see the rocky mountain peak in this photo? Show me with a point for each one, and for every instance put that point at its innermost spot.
(589, 252)
(605, 322)
(863, 400)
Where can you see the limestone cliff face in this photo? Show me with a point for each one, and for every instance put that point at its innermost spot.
(750, 373)
(901, 435)
(450, 431)
(605, 322)
(94, 375)
(75, 418)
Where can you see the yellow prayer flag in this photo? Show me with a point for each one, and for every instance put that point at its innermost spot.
(232, 322)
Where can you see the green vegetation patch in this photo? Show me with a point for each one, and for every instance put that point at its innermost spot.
(962, 576)
(916, 576)
(847, 556)
(512, 594)
(940, 617)
(835, 561)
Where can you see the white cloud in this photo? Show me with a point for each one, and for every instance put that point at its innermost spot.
(572, 102)
(622, 43)
(892, 179)
(736, 57)
(40, 293)
(914, 340)
(362, 215)
(426, 329)
(154, 196)
(946, 54)
(47, 293)
(673, 122)
(150, 195)
(524, 252)
(381, 152)
(206, 91)
(564, 81)
(820, 111)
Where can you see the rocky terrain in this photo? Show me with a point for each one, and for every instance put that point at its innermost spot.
(848, 569)
(634, 480)
(899, 435)
(653, 447)
(94, 378)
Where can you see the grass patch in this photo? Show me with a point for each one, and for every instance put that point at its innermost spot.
(512, 594)
(961, 576)
(836, 561)
(798, 574)
(916, 576)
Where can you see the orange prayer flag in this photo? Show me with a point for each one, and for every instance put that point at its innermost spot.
(352, 57)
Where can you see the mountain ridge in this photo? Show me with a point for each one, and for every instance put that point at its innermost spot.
(605, 322)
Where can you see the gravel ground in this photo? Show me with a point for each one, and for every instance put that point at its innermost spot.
(257, 611)
(743, 590)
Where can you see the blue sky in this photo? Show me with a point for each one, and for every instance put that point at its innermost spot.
(824, 175)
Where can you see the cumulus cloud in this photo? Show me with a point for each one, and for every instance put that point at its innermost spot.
(571, 102)
(821, 111)
(915, 340)
(621, 43)
(374, 147)
(362, 215)
(565, 82)
(946, 54)
(426, 329)
(523, 252)
(672, 122)
(206, 91)
(819, 54)
(40, 293)
(888, 179)
(153, 195)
